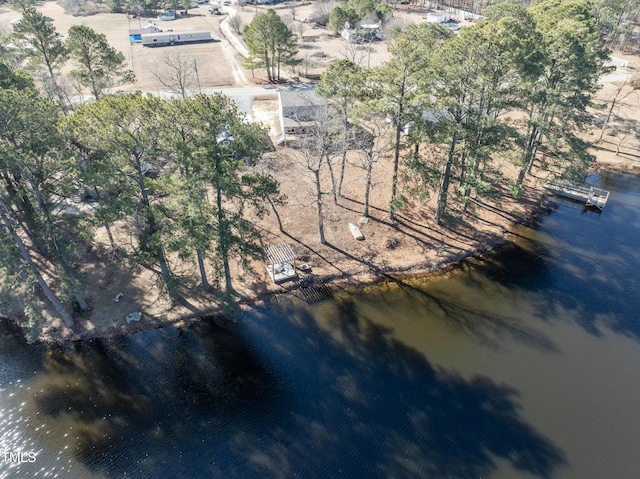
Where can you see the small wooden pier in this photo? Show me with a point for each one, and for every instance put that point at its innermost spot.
(589, 196)
(281, 263)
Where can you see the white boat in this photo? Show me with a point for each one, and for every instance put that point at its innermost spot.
(281, 272)
(355, 231)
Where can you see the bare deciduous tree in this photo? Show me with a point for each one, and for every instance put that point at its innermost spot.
(292, 8)
(178, 73)
(321, 12)
(354, 52)
(635, 85)
(319, 147)
(236, 24)
(307, 63)
(371, 137)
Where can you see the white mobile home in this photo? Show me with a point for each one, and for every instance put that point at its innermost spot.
(438, 17)
(159, 39)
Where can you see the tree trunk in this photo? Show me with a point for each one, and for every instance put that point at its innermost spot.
(367, 184)
(266, 64)
(110, 236)
(342, 168)
(345, 126)
(203, 273)
(396, 159)
(529, 156)
(620, 143)
(532, 131)
(94, 87)
(55, 86)
(319, 204)
(50, 295)
(444, 188)
(106, 223)
(275, 212)
(473, 168)
(222, 242)
(613, 105)
(333, 181)
(151, 229)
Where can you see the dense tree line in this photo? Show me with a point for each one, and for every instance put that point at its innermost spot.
(514, 87)
(447, 109)
(171, 173)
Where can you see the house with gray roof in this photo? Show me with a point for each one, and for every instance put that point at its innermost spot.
(299, 108)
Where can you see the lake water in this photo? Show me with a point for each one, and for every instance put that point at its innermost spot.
(526, 365)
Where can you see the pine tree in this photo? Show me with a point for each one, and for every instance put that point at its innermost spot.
(271, 44)
(99, 66)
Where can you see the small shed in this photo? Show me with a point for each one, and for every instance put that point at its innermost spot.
(281, 264)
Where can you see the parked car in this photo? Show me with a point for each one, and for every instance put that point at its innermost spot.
(215, 11)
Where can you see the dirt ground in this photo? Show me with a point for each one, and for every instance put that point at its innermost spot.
(219, 64)
(213, 68)
(412, 244)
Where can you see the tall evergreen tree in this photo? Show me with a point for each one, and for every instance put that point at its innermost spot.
(411, 54)
(99, 66)
(213, 144)
(125, 134)
(48, 48)
(573, 61)
(34, 176)
(271, 44)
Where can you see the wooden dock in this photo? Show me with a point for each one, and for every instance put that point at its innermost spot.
(589, 196)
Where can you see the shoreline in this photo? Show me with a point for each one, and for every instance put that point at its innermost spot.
(334, 281)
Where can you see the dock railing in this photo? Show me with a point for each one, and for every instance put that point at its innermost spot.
(590, 196)
(597, 198)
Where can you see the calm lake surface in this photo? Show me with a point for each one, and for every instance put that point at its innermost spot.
(524, 366)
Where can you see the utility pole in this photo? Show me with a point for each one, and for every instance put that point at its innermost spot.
(195, 67)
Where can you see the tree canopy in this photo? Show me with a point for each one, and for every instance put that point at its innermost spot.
(176, 176)
(271, 44)
(99, 66)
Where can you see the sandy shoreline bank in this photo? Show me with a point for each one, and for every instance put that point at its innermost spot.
(346, 281)
(349, 281)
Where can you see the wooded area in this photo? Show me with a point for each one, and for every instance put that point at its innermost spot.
(175, 175)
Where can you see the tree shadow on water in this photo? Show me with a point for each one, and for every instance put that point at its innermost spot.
(283, 395)
(372, 407)
(149, 404)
